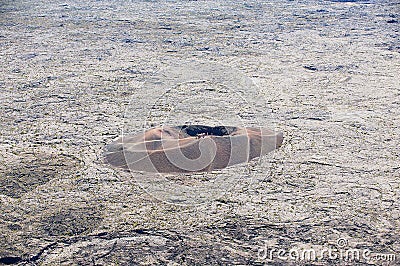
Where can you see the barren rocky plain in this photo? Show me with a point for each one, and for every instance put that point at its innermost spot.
(74, 75)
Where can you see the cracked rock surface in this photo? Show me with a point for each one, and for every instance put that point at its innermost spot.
(326, 73)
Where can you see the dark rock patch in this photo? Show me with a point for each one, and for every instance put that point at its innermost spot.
(71, 222)
(330, 67)
(10, 260)
(21, 178)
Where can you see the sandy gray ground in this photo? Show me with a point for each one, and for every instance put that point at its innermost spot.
(327, 72)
